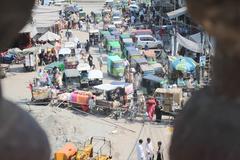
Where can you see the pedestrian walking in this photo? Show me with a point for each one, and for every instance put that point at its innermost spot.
(78, 44)
(87, 47)
(90, 61)
(160, 151)
(151, 104)
(133, 19)
(68, 24)
(140, 150)
(68, 34)
(91, 103)
(80, 25)
(158, 111)
(146, 47)
(141, 13)
(149, 150)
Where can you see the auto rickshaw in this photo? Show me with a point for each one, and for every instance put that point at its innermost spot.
(116, 34)
(124, 36)
(114, 48)
(95, 77)
(151, 82)
(103, 34)
(71, 79)
(94, 36)
(131, 53)
(127, 42)
(135, 58)
(145, 69)
(115, 66)
(127, 51)
(111, 28)
(107, 39)
(84, 68)
(137, 61)
(150, 55)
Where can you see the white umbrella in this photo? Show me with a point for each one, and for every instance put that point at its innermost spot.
(64, 51)
(49, 36)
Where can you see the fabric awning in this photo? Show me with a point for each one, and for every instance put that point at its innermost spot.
(106, 87)
(29, 28)
(195, 47)
(45, 16)
(196, 37)
(49, 36)
(177, 13)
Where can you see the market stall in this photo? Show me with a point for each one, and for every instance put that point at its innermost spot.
(170, 99)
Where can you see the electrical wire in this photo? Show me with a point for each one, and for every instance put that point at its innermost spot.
(138, 137)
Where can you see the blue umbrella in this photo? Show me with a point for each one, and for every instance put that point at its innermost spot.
(184, 64)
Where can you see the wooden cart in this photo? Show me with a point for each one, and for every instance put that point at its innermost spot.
(169, 98)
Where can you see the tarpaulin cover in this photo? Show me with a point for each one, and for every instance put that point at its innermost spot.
(177, 13)
(195, 47)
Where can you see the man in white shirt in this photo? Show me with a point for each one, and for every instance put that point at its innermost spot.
(91, 103)
(149, 150)
(140, 151)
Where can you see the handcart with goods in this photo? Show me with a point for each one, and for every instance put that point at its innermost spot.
(170, 99)
(115, 98)
(42, 95)
(80, 99)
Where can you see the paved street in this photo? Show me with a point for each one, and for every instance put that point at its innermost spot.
(121, 138)
(54, 120)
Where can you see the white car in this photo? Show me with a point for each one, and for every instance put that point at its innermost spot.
(134, 8)
(149, 40)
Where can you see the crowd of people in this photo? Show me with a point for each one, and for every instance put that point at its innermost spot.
(47, 57)
(148, 152)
